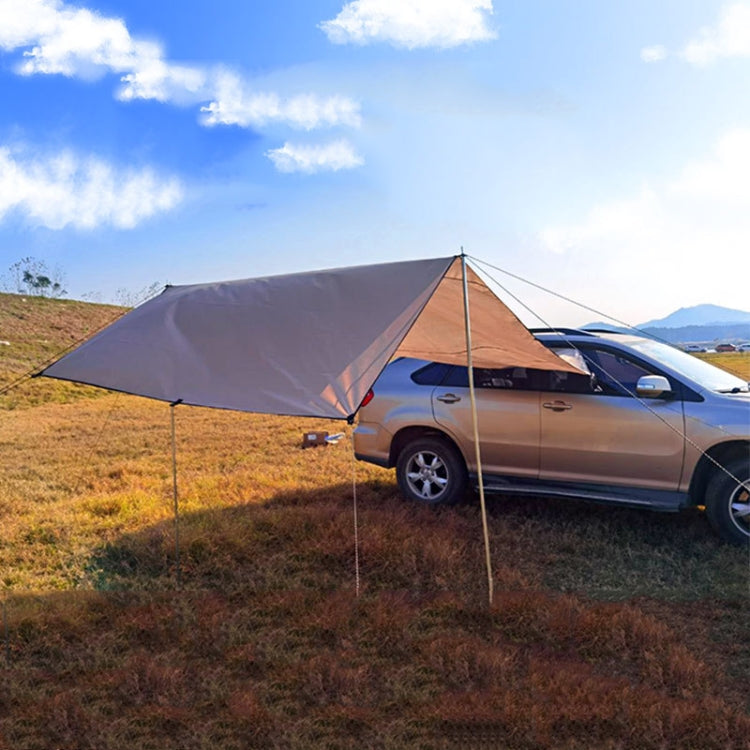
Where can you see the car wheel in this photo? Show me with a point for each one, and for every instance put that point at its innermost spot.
(728, 503)
(431, 471)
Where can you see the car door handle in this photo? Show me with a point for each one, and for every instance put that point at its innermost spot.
(449, 398)
(557, 405)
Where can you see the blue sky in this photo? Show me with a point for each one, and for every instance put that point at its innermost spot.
(600, 149)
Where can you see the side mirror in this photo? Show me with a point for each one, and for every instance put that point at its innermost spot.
(652, 386)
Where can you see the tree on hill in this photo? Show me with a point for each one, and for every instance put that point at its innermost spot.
(31, 276)
(127, 298)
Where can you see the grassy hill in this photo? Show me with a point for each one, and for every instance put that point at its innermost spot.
(612, 628)
(34, 330)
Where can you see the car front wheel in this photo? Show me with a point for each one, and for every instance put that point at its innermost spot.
(728, 502)
(431, 471)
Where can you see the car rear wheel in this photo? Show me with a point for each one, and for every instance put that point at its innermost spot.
(728, 502)
(431, 471)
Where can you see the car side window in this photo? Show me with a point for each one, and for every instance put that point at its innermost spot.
(615, 374)
(571, 382)
(508, 378)
(456, 378)
(432, 374)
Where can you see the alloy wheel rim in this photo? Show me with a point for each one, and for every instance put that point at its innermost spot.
(427, 475)
(739, 507)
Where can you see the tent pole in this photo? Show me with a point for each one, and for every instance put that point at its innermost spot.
(472, 395)
(175, 498)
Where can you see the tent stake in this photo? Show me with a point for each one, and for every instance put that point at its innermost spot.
(175, 498)
(472, 395)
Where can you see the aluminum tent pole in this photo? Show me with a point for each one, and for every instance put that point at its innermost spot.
(472, 395)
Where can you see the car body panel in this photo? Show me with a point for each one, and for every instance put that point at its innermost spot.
(613, 440)
(373, 444)
(508, 425)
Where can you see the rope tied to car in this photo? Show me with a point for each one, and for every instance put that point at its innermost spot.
(354, 505)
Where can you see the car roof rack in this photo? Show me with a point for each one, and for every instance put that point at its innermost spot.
(564, 331)
(611, 330)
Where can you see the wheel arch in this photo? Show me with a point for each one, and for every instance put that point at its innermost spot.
(407, 434)
(722, 453)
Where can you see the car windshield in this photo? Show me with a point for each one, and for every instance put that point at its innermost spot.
(707, 375)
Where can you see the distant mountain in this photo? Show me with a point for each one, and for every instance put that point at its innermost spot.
(700, 315)
(701, 324)
(715, 334)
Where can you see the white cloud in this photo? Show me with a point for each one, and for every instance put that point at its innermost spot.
(412, 23)
(236, 104)
(698, 222)
(310, 159)
(653, 54)
(730, 37)
(65, 190)
(77, 42)
(25, 21)
(153, 78)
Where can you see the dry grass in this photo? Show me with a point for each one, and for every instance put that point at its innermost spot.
(738, 363)
(299, 668)
(32, 331)
(611, 629)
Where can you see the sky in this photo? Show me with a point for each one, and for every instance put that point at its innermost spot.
(601, 150)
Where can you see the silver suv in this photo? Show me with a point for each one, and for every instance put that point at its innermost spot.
(648, 426)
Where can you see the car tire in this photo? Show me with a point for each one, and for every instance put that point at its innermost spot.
(431, 471)
(728, 504)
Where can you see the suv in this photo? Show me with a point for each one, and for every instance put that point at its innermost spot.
(643, 425)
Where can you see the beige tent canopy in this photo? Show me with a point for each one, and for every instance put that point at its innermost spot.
(307, 344)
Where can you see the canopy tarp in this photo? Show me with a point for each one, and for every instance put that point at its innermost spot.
(307, 344)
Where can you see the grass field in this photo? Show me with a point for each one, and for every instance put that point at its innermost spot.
(611, 628)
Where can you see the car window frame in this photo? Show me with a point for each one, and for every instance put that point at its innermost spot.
(679, 391)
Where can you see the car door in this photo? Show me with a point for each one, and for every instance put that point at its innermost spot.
(595, 430)
(508, 417)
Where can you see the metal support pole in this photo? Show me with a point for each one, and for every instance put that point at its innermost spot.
(472, 395)
(175, 498)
